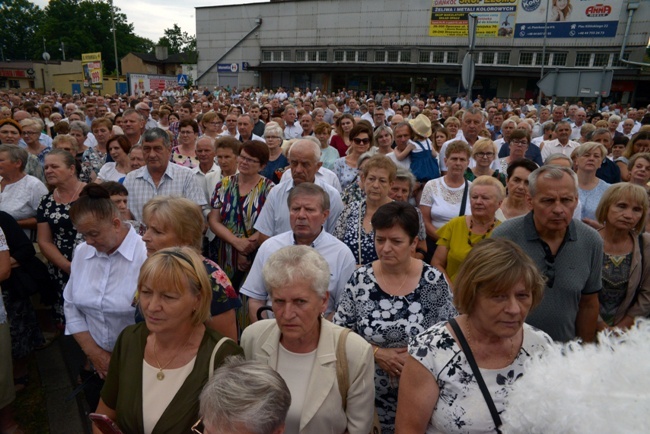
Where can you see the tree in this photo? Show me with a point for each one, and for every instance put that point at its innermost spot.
(85, 26)
(178, 41)
(19, 21)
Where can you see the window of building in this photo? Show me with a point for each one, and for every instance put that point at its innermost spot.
(362, 56)
(393, 56)
(503, 58)
(322, 56)
(452, 57)
(339, 55)
(486, 58)
(438, 57)
(312, 56)
(267, 56)
(559, 59)
(380, 56)
(601, 59)
(538, 58)
(526, 58)
(617, 63)
(300, 56)
(424, 57)
(405, 56)
(583, 59)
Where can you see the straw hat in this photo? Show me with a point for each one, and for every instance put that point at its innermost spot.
(421, 125)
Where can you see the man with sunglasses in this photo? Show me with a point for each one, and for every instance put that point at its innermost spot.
(568, 252)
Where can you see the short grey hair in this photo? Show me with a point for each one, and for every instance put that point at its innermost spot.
(153, 134)
(297, 262)
(550, 172)
(615, 118)
(80, 126)
(245, 394)
(313, 144)
(560, 123)
(273, 128)
(558, 156)
(404, 174)
(16, 153)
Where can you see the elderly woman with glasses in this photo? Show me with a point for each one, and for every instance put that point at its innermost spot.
(10, 133)
(277, 161)
(484, 152)
(159, 367)
(346, 168)
(31, 133)
(304, 348)
(518, 144)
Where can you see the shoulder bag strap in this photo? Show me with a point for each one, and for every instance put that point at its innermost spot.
(477, 373)
(638, 288)
(342, 374)
(211, 368)
(463, 204)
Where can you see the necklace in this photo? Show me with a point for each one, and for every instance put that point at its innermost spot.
(381, 273)
(469, 234)
(511, 354)
(161, 375)
(58, 198)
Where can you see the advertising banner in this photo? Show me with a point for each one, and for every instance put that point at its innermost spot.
(526, 18)
(141, 83)
(568, 18)
(92, 69)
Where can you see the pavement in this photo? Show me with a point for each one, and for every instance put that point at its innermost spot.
(58, 368)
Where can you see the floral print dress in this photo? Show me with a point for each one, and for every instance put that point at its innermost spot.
(65, 238)
(349, 229)
(183, 160)
(390, 321)
(461, 407)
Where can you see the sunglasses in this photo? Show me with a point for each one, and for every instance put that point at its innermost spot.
(358, 141)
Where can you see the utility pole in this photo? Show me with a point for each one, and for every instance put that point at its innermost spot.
(117, 64)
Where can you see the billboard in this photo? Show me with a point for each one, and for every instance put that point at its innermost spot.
(141, 83)
(526, 18)
(91, 63)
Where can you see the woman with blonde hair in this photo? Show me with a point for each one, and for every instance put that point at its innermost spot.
(589, 157)
(452, 124)
(176, 221)
(159, 367)
(484, 152)
(625, 295)
(460, 234)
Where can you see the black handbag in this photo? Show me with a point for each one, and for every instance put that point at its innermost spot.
(28, 279)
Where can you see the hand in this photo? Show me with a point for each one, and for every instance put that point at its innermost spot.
(241, 245)
(593, 223)
(252, 245)
(243, 264)
(100, 360)
(391, 360)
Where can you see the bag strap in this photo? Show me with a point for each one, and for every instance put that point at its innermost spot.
(477, 373)
(342, 374)
(463, 204)
(214, 354)
(638, 288)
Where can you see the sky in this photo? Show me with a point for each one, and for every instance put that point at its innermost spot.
(151, 17)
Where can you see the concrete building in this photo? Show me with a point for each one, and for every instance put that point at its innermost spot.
(419, 45)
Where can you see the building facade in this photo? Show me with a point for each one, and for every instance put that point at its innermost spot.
(418, 46)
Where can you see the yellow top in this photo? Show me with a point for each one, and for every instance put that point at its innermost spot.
(453, 236)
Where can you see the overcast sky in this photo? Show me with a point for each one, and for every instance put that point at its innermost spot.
(151, 17)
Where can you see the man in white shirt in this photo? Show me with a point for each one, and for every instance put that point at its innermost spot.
(472, 123)
(385, 104)
(562, 144)
(292, 129)
(145, 112)
(308, 211)
(304, 159)
(580, 118)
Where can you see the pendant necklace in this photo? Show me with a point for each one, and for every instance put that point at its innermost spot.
(161, 375)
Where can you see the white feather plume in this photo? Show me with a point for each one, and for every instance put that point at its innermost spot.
(575, 388)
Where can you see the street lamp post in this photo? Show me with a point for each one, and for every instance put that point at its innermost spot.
(117, 65)
(46, 57)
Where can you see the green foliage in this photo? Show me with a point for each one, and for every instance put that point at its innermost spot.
(19, 21)
(85, 26)
(178, 41)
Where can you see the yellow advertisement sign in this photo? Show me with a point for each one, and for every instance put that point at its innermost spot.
(92, 69)
(496, 18)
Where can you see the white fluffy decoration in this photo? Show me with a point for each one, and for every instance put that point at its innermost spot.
(602, 388)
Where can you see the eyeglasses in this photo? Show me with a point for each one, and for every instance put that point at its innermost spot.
(484, 154)
(272, 137)
(248, 160)
(358, 141)
(195, 427)
(30, 133)
(520, 143)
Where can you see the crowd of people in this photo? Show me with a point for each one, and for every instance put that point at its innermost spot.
(374, 250)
